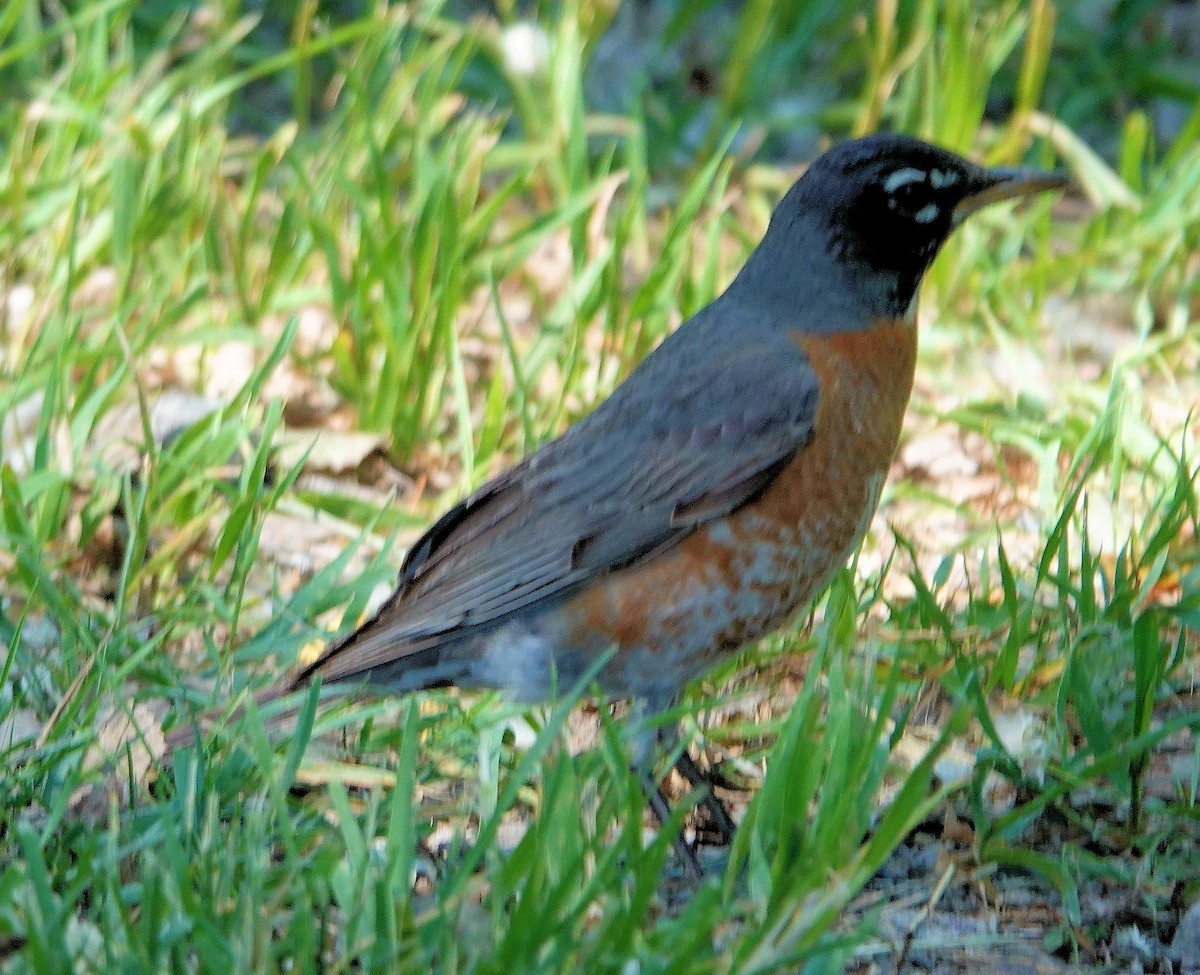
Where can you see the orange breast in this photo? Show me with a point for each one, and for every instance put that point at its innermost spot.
(739, 577)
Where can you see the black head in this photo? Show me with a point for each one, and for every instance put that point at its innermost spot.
(877, 210)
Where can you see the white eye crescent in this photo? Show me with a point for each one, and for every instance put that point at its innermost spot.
(927, 214)
(902, 177)
(942, 177)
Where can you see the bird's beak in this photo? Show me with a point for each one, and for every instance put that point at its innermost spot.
(1005, 183)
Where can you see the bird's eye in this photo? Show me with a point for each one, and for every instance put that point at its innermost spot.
(909, 191)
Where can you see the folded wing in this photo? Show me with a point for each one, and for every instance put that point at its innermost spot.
(688, 438)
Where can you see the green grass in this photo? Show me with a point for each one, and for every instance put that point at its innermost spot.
(369, 222)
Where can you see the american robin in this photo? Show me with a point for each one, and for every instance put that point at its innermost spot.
(721, 485)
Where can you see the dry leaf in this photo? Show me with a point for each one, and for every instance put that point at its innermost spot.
(130, 742)
(20, 725)
(353, 775)
(119, 439)
(329, 451)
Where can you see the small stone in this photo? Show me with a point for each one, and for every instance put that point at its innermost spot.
(1185, 946)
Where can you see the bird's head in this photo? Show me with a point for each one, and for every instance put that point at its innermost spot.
(882, 206)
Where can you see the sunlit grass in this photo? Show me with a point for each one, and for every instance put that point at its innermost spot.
(377, 223)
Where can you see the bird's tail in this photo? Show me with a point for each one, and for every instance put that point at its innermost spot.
(369, 657)
(381, 655)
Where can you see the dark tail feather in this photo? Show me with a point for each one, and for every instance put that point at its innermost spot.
(385, 657)
(304, 676)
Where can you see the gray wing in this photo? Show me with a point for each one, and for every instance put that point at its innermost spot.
(692, 435)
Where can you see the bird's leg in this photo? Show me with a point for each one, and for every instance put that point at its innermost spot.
(722, 822)
(662, 812)
(646, 736)
(647, 740)
(685, 765)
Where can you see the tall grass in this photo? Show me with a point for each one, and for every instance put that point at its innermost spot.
(484, 255)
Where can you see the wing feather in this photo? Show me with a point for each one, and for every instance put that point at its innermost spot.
(692, 435)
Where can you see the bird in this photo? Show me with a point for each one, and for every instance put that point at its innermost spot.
(721, 485)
